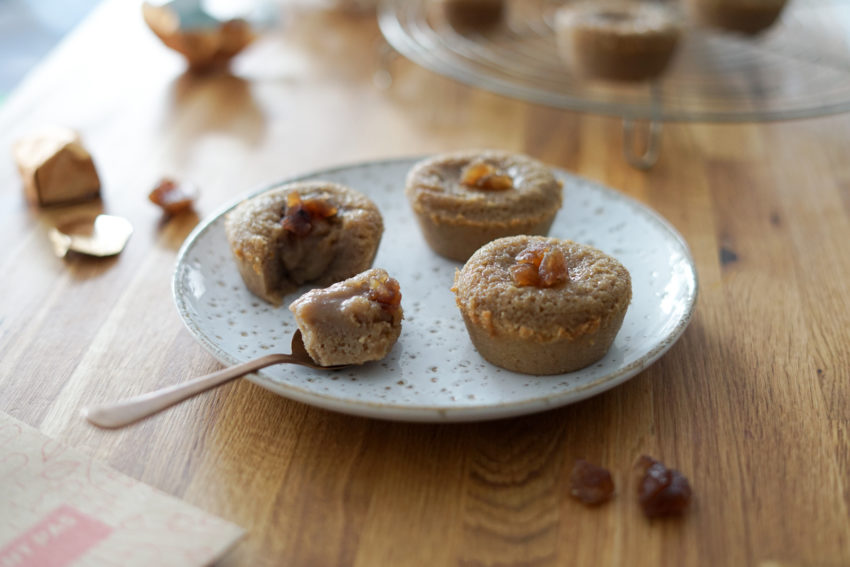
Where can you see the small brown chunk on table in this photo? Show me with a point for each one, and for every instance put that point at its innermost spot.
(591, 484)
(56, 168)
(173, 197)
(662, 491)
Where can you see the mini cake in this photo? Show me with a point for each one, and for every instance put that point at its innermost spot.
(310, 232)
(471, 15)
(464, 200)
(351, 322)
(540, 305)
(746, 16)
(619, 41)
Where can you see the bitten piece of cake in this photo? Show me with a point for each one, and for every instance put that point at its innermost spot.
(351, 322)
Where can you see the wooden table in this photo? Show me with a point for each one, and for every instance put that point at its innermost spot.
(752, 404)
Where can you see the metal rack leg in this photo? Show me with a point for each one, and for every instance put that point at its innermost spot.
(652, 145)
(386, 55)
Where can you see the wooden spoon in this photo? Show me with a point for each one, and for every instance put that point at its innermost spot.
(125, 412)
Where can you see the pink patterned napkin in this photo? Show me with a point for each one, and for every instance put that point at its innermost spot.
(59, 507)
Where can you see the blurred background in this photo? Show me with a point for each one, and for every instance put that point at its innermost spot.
(29, 29)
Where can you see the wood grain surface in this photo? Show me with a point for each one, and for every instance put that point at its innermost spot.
(752, 404)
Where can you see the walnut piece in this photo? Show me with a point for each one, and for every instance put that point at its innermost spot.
(540, 266)
(662, 491)
(482, 175)
(300, 215)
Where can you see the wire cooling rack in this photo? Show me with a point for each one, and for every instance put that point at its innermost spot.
(799, 68)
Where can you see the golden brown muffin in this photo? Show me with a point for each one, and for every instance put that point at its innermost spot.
(619, 41)
(464, 200)
(351, 322)
(541, 305)
(473, 15)
(745, 16)
(312, 232)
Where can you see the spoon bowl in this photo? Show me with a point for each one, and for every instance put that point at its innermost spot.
(125, 412)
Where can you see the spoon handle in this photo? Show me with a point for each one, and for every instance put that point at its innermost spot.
(125, 412)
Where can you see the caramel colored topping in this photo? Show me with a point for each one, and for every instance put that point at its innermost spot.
(524, 274)
(299, 216)
(591, 484)
(173, 197)
(662, 491)
(553, 269)
(482, 175)
(386, 291)
(540, 266)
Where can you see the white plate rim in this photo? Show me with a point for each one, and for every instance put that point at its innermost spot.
(441, 414)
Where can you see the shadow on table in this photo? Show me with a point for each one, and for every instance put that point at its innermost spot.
(173, 230)
(217, 103)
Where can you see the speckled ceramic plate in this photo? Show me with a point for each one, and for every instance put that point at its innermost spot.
(434, 373)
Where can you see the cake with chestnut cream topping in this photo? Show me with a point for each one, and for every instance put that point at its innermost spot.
(351, 322)
(302, 233)
(539, 305)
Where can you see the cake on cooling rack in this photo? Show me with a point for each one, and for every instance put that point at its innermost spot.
(620, 41)
(745, 16)
(471, 15)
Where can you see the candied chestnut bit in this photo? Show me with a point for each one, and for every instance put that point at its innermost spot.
(386, 291)
(173, 197)
(319, 208)
(662, 491)
(525, 274)
(299, 215)
(553, 268)
(540, 266)
(482, 175)
(591, 484)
